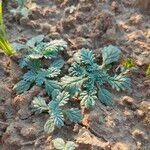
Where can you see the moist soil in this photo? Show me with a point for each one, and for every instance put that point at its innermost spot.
(91, 24)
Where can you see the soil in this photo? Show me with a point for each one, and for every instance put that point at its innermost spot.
(91, 24)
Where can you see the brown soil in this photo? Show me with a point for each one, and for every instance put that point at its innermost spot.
(92, 24)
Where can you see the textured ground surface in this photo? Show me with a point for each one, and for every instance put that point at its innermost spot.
(91, 24)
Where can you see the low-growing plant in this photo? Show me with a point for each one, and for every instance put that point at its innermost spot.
(39, 73)
(57, 110)
(4, 43)
(89, 81)
(60, 144)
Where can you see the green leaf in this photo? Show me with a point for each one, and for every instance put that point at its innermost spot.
(105, 97)
(62, 98)
(74, 115)
(59, 143)
(87, 56)
(41, 77)
(88, 99)
(110, 54)
(22, 86)
(29, 76)
(49, 126)
(37, 39)
(39, 105)
(72, 84)
(76, 70)
(50, 86)
(53, 47)
(58, 63)
(57, 117)
(53, 72)
(70, 146)
(119, 82)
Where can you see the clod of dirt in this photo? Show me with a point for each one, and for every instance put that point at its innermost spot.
(114, 6)
(127, 100)
(136, 19)
(138, 134)
(120, 146)
(29, 131)
(25, 99)
(87, 140)
(5, 92)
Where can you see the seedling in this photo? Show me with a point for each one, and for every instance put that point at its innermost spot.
(88, 80)
(57, 110)
(39, 73)
(4, 43)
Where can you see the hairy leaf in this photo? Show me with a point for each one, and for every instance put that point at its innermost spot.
(70, 146)
(105, 97)
(119, 82)
(58, 63)
(72, 84)
(39, 105)
(50, 86)
(110, 54)
(87, 56)
(49, 126)
(59, 143)
(22, 86)
(74, 115)
(88, 99)
(76, 70)
(57, 117)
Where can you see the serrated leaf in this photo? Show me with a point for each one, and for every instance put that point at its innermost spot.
(70, 146)
(76, 70)
(30, 76)
(22, 86)
(58, 63)
(50, 86)
(72, 84)
(110, 54)
(62, 98)
(37, 39)
(119, 82)
(59, 143)
(39, 105)
(87, 56)
(53, 72)
(57, 117)
(105, 97)
(74, 115)
(88, 99)
(49, 126)
(53, 47)
(41, 77)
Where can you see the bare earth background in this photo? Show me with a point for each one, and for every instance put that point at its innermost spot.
(92, 24)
